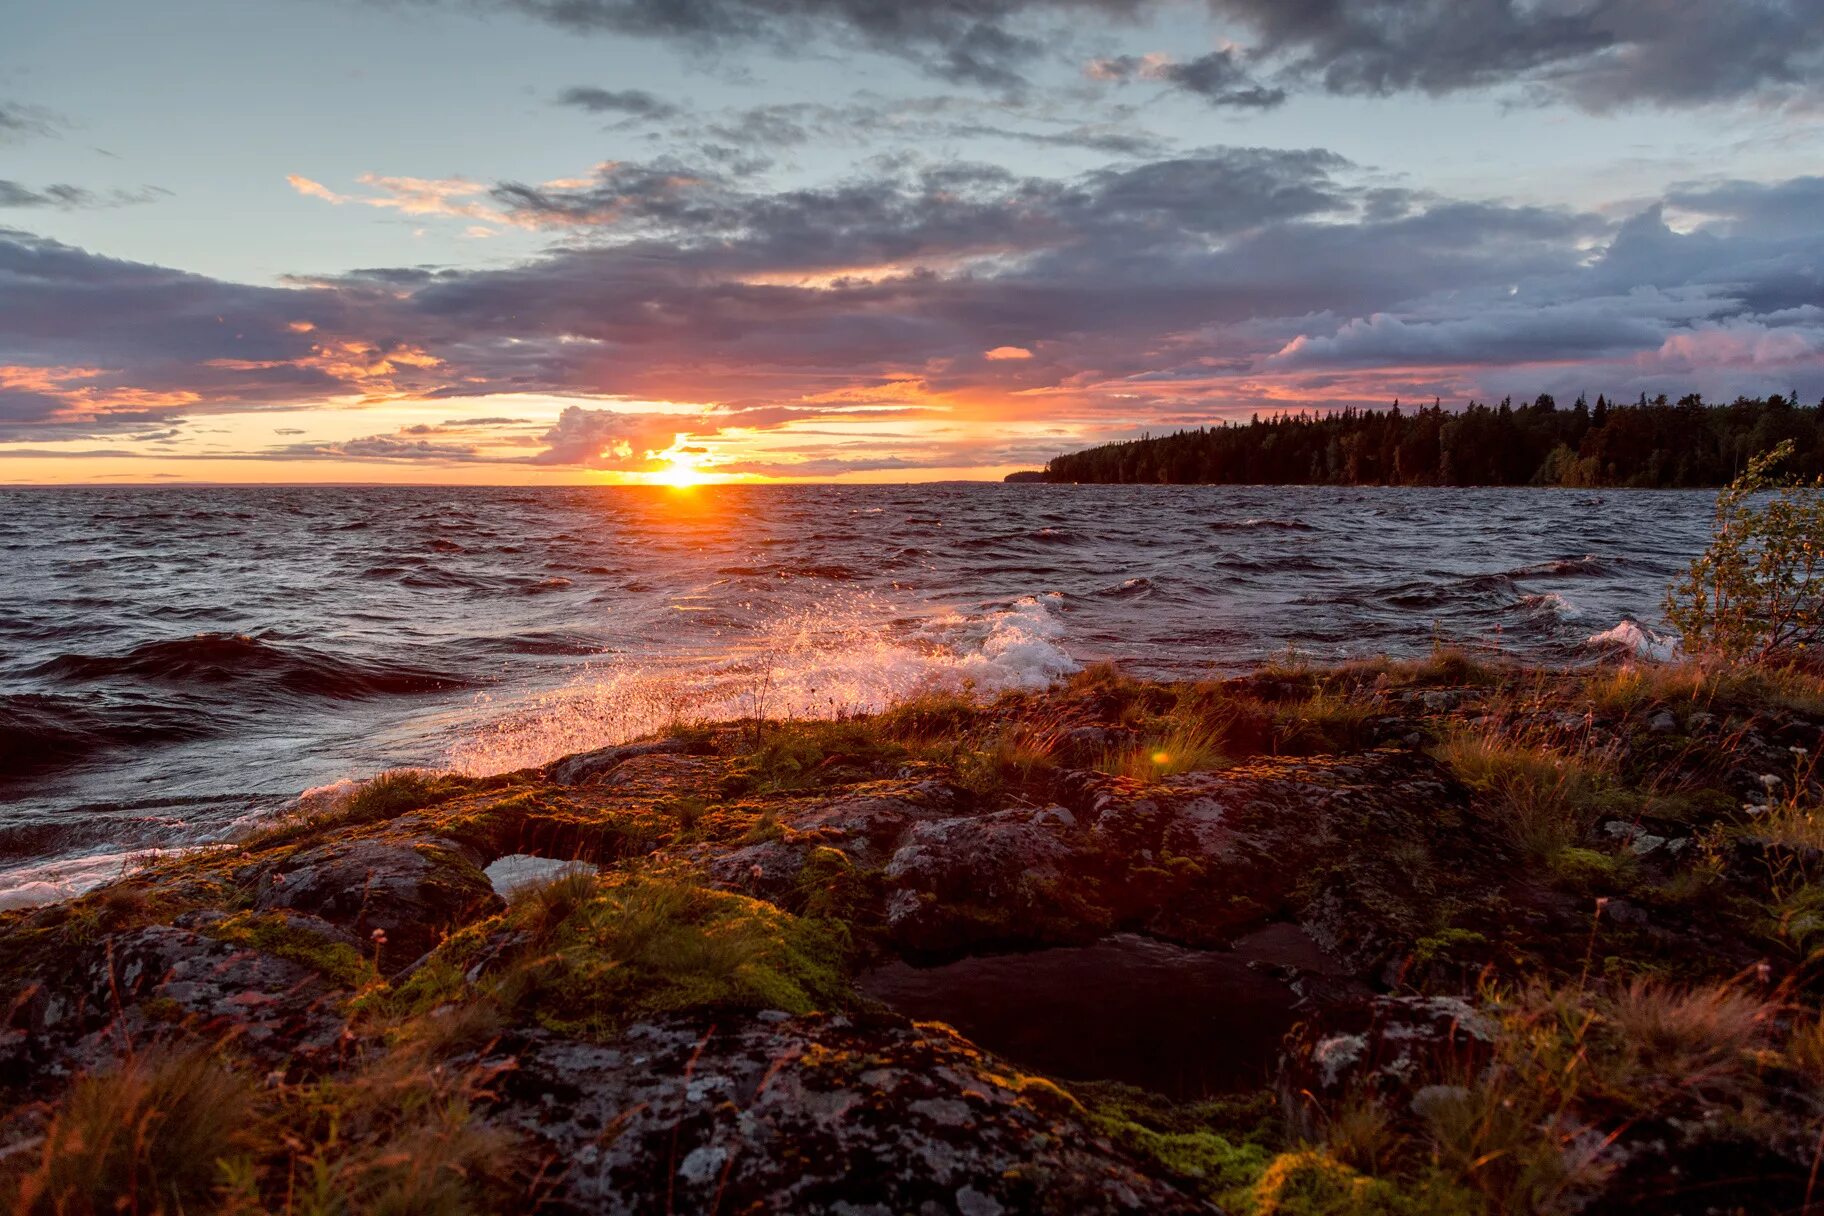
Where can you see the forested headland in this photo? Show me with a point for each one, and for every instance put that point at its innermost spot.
(1648, 444)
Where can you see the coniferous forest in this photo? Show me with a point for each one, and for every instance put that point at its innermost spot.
(1647, 444)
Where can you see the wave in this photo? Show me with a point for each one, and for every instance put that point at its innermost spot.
(1632, 638)
(249, 663)
(1492, 589)
(39, 732)
(828, 570)
(1588, 566)
(1551, 605)
(1260, 525)
(856, 655)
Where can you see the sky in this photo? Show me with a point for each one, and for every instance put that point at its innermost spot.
(574, 241)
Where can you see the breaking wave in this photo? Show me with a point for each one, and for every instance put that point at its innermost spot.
(846, 658)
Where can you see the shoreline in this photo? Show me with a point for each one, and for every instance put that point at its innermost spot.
(1434, 870)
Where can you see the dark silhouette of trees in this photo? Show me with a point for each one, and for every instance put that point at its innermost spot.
(1651, 444)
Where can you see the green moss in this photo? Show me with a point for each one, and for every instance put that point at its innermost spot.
(1309, 1182)
(1212, 1148)
(278, 934)
(441, 978)
(1589, 871)
(831, 887)
(1446, 943)
(654, 944)
(800, 755)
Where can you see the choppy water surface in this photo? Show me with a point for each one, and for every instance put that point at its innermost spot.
(175, 660)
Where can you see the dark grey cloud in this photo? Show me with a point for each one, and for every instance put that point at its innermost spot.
(1220, 78)
(872, 120)
(628, 103)
(70, 198)
(1596, 54)
(20, 121)
(981, 41)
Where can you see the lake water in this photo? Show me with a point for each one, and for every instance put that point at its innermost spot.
(176, 661)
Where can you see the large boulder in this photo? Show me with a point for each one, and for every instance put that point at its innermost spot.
(815, 1114)
(402, 896)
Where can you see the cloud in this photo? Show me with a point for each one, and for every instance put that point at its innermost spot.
(19, 121)
(1176, 289)
(71, 198)
(414, 196)
(981, 41)
(1219, 77)
(631, 103)
(1595, 54)
(1598, 56)
(314, 189)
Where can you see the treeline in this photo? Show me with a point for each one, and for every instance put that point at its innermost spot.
(1650, 443)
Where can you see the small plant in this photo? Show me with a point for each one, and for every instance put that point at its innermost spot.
(1756, 595)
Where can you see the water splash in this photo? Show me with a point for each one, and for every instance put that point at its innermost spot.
(849, 656)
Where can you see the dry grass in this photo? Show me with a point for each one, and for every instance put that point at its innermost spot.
(1015, 759)
(152, 1136)
(1635, 687)
(1181, 748)
(1548, 797)
(385, 796)
(1446, 665)
(1532, 1130)
(1684, 1036)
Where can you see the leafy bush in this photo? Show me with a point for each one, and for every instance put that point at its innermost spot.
(1756, 595)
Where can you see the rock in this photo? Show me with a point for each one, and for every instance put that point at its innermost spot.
(518, 872)
(814, 1114)
(588, 766)
(411, 893)
(960, 881)
(1385, 1046)
(148, 983)
(869, 823)
(1663, 723)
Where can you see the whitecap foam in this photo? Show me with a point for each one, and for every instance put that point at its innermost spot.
(1635, 639)
(851, 655)
(1553, 603)
(48, 882)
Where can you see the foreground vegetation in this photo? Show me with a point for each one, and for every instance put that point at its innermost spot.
(1649, 444)
(1616, 875)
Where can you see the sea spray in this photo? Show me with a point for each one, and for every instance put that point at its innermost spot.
(848, 656)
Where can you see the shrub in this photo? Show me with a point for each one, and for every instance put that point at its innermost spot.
(1756, 595)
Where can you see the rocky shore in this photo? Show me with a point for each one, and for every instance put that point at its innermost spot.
(1425, 937)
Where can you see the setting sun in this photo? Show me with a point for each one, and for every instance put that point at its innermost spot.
(679, 476)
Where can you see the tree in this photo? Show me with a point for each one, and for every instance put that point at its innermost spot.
(1756, 595)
